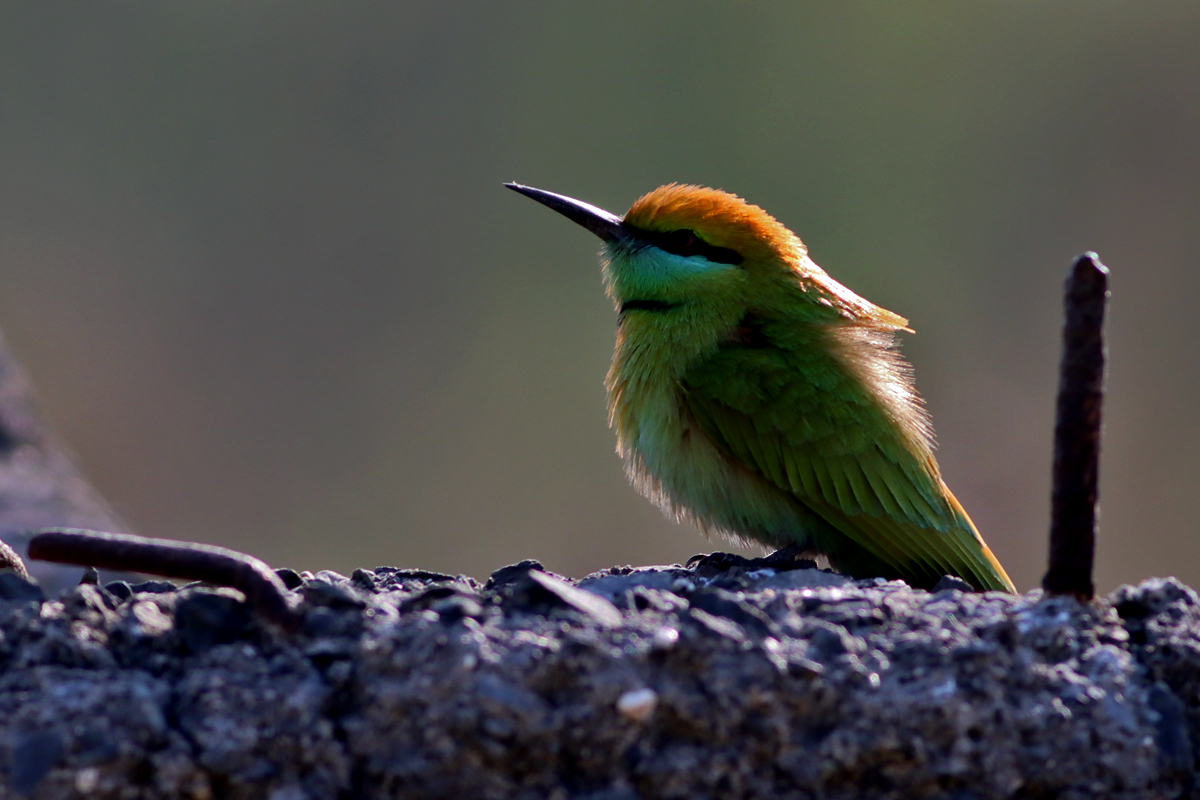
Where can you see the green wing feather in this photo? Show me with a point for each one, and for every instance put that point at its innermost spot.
(807, 424)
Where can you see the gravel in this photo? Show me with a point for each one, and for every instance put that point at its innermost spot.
(727, 679)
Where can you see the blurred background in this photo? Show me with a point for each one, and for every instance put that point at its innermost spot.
(257, 260)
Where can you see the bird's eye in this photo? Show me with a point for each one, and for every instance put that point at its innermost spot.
(685, 242)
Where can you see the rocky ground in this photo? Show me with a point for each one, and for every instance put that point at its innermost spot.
(728, 679)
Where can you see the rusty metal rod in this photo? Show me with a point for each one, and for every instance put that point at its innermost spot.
(187, 560)
(1077, 432)
(11, 559)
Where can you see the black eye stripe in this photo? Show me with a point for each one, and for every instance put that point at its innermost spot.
(648, 305)
(685, 243)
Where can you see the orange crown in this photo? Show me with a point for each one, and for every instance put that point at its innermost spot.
(718, 217)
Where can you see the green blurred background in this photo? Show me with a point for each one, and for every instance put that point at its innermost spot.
(258, 262)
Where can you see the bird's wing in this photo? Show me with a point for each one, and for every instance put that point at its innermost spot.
(804, 422)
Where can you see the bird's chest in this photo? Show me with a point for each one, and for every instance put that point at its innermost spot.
(660, 439)
(654, 421)
(646, 394)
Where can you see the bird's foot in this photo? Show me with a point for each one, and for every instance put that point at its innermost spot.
(716, 562)
(787, 558)
(782, 560)
(951, 582)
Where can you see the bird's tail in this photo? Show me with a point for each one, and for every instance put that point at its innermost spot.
(993, 576)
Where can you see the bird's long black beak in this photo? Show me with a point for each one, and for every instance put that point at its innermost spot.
(600, 222)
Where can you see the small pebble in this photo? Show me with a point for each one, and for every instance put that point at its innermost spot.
(151, 617)
(638, 704)
(665, 638)
(86, 780)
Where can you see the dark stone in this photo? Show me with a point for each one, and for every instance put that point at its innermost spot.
(618, 585)
(363, 581)
(733, 607)
(319, 592)
(829, 641)
(204, 620)
(431, 595)
(153, 587)
(329, 576)
(321, 621)
(332, 621)
(8, 440)
(543, 593)
(458, 607)
(89, 599)
(513, 573)
(95, 746)
(1173, 738)
(291, 579)
(33, 755)
(593, 605)
(392, 577)
(119, 589)
(14, 587)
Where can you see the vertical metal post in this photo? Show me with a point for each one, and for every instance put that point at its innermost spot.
(1077, 432)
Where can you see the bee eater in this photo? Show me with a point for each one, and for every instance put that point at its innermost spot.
(759, 398)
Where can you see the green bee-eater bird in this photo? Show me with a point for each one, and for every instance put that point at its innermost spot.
(760, 398)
